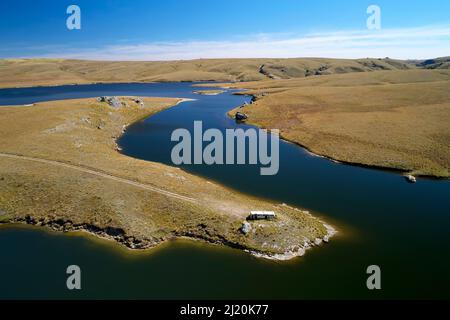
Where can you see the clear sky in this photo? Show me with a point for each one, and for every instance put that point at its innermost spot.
(186, 29)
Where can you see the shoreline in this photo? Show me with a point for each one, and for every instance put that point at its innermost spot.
(286, 256)
(395, 170)
(208, 92)
(147, 246)
(195, 83)
(131, 241)
(290, 255)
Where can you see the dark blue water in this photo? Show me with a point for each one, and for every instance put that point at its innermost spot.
(401, 227)
(18, 96)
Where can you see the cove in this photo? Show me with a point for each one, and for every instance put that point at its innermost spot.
(235, 142)
(403, 228)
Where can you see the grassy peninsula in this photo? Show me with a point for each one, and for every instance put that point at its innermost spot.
(387, 119)
(60, 168)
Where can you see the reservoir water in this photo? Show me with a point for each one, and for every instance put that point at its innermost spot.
(404, 228)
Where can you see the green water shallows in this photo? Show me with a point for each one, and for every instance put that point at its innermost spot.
(383, 220)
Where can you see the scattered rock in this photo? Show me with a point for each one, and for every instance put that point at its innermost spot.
(240, 116)
(112, 101)
(86, 120)
(140, 102)
(246, 228)
(109, 232)
(411, 178)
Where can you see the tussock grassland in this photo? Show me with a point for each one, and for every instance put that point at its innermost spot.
(209, 92)
(33, 72)
(69, 176)
(391, 119)
(376, 112)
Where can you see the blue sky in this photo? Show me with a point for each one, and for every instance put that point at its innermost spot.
(186, 29)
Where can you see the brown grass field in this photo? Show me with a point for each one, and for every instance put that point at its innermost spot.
(59, 164)
(38, 72)
(388, 119)
(59, 167)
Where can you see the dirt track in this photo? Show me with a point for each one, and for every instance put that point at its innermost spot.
(100, 174)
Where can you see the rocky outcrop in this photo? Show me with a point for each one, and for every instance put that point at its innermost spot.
(245, 228)
(112, 101)
(240, 116)
(140, 102)
(266, 73)
(111, 233)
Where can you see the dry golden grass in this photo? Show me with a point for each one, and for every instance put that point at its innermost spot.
(394, 119)
(33, 72)
(80, 178)
(209, 92)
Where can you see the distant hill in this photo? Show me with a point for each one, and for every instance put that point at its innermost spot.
(439, 63)
(30, 72)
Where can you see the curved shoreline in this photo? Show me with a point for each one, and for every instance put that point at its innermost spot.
(286, 256)
(299, 144)
(133, 242)
(395, 170)
(108, 82)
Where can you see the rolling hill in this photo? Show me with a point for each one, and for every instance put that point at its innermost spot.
(30, 72)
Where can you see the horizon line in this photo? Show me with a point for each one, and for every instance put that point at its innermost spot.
(223, 58)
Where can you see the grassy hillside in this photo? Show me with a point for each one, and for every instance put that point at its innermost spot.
(378, 112)
(439, 63)
(391, 119)
(31, 72)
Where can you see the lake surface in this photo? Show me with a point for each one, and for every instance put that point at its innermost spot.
(404, 228)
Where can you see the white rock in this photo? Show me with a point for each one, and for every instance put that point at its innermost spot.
(246, 227)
